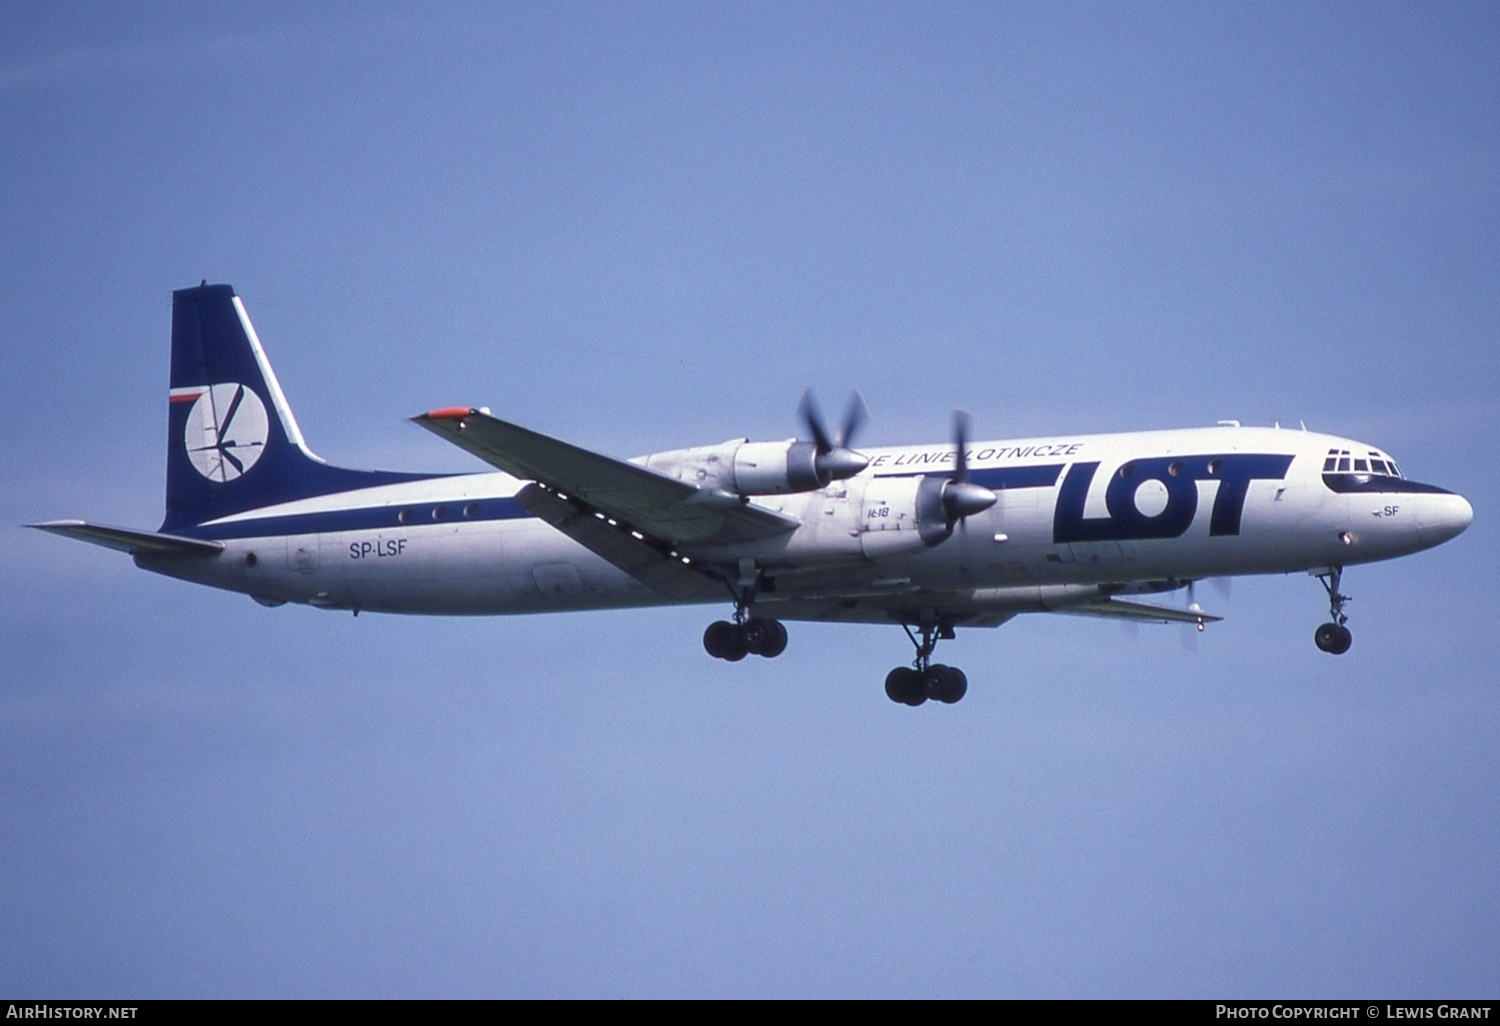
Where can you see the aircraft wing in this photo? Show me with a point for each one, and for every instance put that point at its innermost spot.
(662, 507)
(851, 604)
(885, 610)
(641, 558)
(125, 539)
(1140, 611)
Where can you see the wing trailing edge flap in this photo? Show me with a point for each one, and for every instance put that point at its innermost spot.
(1140, 611)
(125, 539)
(664, 575)
(659, 506)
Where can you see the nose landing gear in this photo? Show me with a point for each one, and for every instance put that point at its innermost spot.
(1333, 637)
(924, 679)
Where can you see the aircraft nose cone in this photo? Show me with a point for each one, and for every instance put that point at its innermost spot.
(1443, 517)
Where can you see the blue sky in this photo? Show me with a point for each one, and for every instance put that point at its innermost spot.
(651, 225)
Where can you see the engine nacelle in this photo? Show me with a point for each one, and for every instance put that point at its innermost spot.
(742, 467)
(776, 468)
(903, 514)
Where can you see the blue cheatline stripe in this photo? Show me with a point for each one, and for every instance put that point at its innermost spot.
(389, 518)
(1017, 477)
(1001, 478)
(1378, 484)
(366, 518)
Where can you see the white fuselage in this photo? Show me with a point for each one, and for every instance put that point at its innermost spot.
(1075, 513)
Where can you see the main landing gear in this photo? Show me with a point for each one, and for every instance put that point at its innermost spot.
(924, 679)
(747, 635)
(1333, 637)
(757, 635)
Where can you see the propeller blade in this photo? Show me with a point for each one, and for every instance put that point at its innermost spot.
(961, 446)
(1189, 641)
(811, 417)
(1193, 607)
(834, 461)
(855, 415)
(962, 497)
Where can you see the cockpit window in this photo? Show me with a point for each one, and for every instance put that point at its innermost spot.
(1340, 461)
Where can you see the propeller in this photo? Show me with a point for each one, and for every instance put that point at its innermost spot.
(834, 460)
(1222, 585)
(962, 497)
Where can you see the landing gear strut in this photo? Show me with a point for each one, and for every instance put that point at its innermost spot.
(924, 679)
(1333, 637)
(747, 635)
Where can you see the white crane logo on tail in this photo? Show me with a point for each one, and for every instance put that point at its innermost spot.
(226, 430)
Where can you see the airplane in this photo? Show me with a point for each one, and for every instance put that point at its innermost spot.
(929, 538)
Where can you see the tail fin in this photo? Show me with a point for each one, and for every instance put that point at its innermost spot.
(232, 442)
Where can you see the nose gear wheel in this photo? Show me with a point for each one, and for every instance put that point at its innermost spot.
(1334, 637)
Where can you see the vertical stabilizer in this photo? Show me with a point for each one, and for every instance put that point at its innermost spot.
(232, 442)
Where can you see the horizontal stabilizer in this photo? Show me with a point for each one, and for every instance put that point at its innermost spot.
(1140, 611)
(125, 539)
(662, 507)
